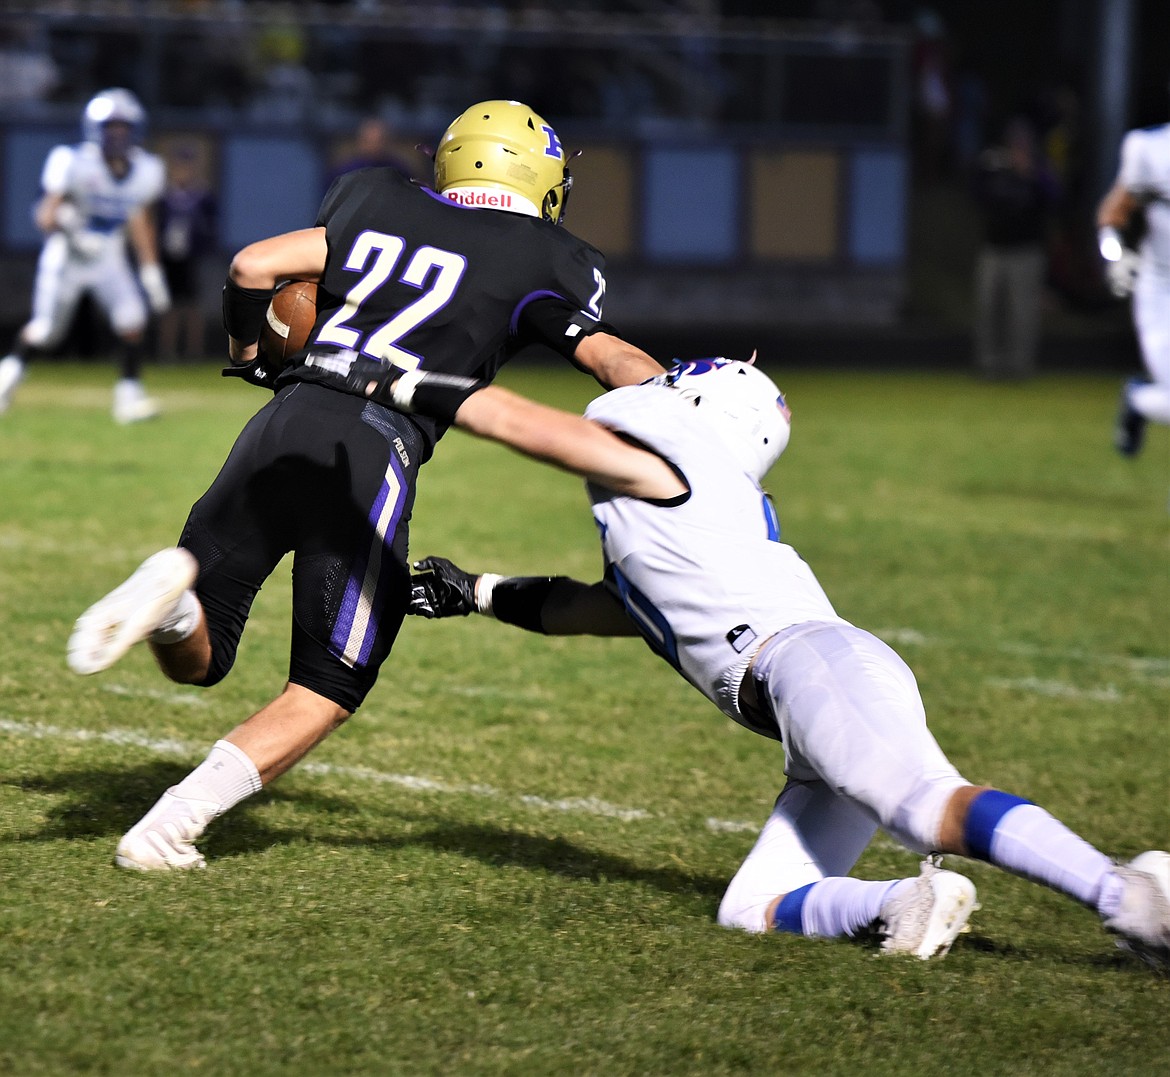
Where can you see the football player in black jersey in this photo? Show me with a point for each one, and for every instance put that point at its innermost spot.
(453, 280)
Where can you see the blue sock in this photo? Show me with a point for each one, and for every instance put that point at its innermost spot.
(983, 816)
(834, 907)
(1021, 837)
(788, 914)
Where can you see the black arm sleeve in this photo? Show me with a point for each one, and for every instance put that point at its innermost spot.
(560, 324)
(519, 600)
(244, 310)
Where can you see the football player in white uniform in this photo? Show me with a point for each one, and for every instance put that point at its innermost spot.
(97, 195)
(1143, 183)
(695, 563)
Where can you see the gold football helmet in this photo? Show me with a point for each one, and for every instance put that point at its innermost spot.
(505, 146)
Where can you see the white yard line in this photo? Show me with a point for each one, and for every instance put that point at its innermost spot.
(1057, 689)
(415, 782)
(1155, 669)
(121, 737)
(185, 699)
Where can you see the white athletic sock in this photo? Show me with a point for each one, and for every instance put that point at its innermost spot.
(178, 625)
(223, 779)
(841, 906)
(1109, 898)
(1028, 841)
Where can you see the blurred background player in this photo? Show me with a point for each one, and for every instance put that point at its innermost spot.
(97, 195)
(1142, 187)
(457, 280)
(186, 224)
(693, 560)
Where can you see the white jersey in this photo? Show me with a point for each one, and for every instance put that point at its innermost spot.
(93, 259)
(705, 576)
(1145, 173)
(81, 175)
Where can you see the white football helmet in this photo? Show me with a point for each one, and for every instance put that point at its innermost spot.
(741, 402)
(112, 106)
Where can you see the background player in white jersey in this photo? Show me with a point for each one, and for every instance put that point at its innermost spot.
(693, 555)
(1142, 185)
(98, 195)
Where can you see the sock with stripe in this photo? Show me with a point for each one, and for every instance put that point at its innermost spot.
(834, 907)
(1021, 837)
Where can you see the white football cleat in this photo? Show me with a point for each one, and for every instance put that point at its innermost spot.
(11, 371)
(131, 612)
(926, 920)
(162, 839)
(1143, 919)
(131, 404)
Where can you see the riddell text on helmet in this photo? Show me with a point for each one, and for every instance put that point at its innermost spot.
(491, 199)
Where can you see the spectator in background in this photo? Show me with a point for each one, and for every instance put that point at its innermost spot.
(1016, 193)
(187, 226)
(372, 148)
(287, 92)
(27, 70)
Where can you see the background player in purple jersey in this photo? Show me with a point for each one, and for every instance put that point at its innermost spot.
(430, 281)
(695, 563)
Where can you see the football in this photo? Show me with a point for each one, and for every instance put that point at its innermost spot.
(289, 321)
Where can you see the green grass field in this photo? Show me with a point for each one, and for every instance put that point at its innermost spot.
(509, 862)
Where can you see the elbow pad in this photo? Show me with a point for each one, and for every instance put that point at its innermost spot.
(560, 324)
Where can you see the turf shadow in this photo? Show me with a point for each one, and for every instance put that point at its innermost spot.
(97, 801)
(105, 802)
(498, 846)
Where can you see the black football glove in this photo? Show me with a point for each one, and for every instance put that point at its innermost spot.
(365, 372)
(439, 588)
(254, 373)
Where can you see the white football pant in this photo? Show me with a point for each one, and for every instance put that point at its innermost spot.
(63, 278)
(858, 755)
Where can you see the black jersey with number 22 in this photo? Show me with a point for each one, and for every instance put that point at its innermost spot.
(421, 281)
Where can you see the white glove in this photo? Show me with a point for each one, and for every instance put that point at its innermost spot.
(154, 284)
(68, 218)
(1121, 262)
(85, 245)
(1122, 273)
